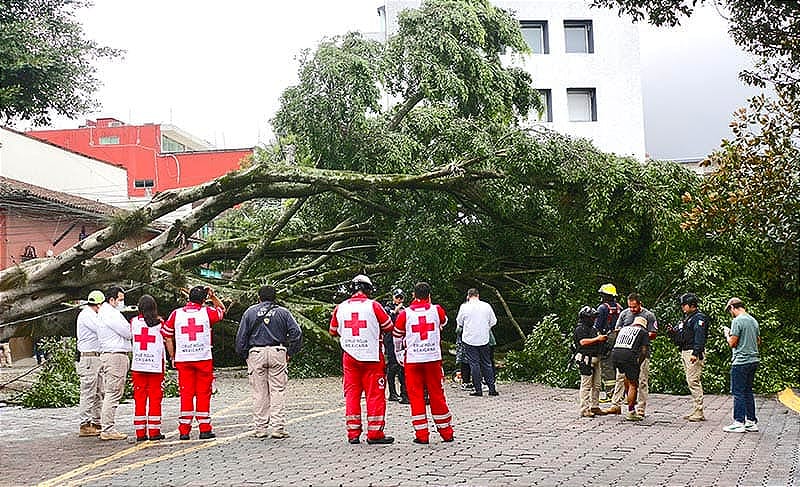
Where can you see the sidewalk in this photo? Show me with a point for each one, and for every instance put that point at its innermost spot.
(529, 435)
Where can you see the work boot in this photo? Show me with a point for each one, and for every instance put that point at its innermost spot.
(696, 416)
(88, 430)
(632, 416)
(141, 438)
(420, 441)
(613, 410)
(354, 441)
(261, 434)
(207, 435)
(279, 434)
(113, 435)
(598, 412)
(587, 414)
(184, 437)
(381, 441)
(157, 437)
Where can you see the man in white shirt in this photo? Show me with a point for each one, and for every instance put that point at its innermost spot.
(88, 366)
(476, 319)
(114, 335)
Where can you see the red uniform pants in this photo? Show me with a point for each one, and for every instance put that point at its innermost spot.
(421, 376)
(194, 381)
(147, 395)
(360, 377)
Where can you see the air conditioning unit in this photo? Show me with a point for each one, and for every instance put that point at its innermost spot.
(115, 124)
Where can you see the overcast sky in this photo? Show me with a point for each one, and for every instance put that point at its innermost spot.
(217, 69)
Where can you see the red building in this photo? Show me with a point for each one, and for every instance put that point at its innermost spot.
(157, 157)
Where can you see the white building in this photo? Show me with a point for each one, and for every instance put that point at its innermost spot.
(586, 64)
(43, 164)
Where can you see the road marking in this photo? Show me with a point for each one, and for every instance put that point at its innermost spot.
(62, 479)
(789, 399)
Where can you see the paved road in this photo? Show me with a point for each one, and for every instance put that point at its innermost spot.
(529, 435)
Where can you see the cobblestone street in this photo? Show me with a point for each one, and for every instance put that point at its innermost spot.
(529, 435)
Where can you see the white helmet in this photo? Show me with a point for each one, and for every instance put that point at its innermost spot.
(361, 283)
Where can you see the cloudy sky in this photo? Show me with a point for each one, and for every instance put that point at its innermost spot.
(216, 69)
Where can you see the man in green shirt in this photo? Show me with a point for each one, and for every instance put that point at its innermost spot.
(743, 338)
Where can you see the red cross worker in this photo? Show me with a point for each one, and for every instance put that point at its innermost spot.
(187, 333)
(359, 322)
(147, 370)
(417, 331)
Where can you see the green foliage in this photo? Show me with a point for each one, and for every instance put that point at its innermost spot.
(58, 384)
(544, 358)
(46, 63)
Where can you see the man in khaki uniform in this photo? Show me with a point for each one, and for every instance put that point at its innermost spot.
(267, 338)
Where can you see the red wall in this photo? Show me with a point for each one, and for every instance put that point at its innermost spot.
(139, 151)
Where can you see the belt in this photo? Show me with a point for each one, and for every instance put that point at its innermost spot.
(90, 354)
(258, 347)
(103, 353)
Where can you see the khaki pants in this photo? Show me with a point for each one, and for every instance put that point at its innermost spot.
(693, 373)
(589, 395)
(91, 390)
(113, 373)
(641, 396)
(5, 355)
(268, 374)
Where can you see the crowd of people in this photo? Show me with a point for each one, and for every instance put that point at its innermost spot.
(613, 350)
(381, 344)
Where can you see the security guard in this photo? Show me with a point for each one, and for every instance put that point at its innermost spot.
(690, 337)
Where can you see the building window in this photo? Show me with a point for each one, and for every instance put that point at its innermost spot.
(143, 183)
(547, 100)
(578, 36)
(169, 145)
(582, 104)
(109, 140)
(535, 34)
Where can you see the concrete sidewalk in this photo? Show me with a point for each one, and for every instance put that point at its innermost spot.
(529, 435)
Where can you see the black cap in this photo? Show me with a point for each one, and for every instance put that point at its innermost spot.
(398, 293)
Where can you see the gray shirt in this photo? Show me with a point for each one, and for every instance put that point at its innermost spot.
(266, 324)
(627, 316)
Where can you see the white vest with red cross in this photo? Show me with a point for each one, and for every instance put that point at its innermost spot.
(359, 330)
(192, 335)
(422, 335)
(148, 346)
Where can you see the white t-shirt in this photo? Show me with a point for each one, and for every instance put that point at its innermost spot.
(477, 318)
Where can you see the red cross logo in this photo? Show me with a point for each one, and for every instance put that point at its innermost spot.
(422, 327)
(355, 324)
(192, 330)
(144, 339)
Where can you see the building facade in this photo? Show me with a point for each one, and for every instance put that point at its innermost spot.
(157, 156)
(584, 61)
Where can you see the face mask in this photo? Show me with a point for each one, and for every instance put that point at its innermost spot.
(120, 305)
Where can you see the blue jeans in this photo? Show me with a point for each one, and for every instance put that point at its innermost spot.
(744, 404)
(480, 364)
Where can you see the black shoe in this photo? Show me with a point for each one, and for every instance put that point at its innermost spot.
(207, 435)
(157, 437)
(476, 394)
(404, 400)
(141, 438)
(393, 397)
(420, 442)
(494, 393)
(183, 437)
(353, 441)
(381, 441)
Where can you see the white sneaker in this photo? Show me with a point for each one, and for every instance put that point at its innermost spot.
(735, 427)
(751, 426)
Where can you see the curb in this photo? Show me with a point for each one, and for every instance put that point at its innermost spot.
(789, 399)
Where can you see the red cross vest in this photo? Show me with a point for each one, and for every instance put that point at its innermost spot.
(423, 338)
(359, 330)
(148, 346)
(192, 335)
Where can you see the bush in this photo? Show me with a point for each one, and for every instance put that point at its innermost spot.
(545, 357)
(58, 384)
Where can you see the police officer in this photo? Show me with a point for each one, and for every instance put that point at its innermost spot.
(393, 367)
(268, 336)
(690, 337)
